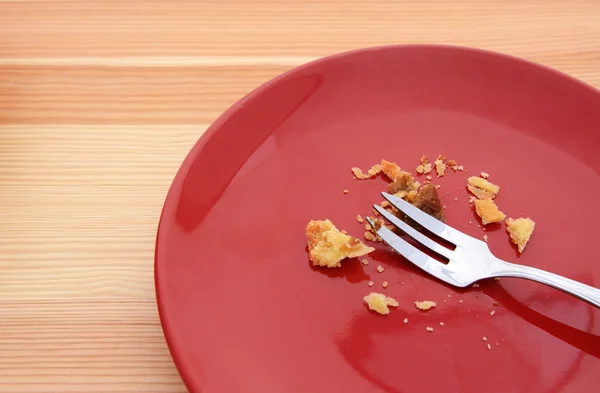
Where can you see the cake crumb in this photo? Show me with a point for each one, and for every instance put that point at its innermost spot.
(484, 175)
(358, 173)
(380, 269)
(371, 283)
(379, 302)
(492, 313)
(328, 246)
(425, 305)
(346, 191)
(520, 231)
(365, 262)
(482, 188)
(359, 218)
(429, 329)
(488, 211)
(440, 167)
(405, 320)
(420, 169)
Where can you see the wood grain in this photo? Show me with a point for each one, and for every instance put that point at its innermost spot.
(101, 100)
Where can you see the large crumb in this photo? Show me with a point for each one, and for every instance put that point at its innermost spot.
(520, 231)
(425, 305)
(403, 184)
(482, 188)
(390, 169)
(327, 245)
(374, 170)
(488, 211)
(428, 200)
(379, 302)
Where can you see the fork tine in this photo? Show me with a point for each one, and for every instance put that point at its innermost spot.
(410, 231)
(414, 255)
(433, 225)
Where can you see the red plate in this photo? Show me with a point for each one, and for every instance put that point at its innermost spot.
(244, 311)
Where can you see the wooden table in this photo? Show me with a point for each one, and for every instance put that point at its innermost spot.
(100, 102)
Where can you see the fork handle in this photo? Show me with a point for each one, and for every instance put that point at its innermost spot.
(575, 288)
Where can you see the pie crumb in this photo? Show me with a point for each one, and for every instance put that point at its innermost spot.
(488, 211)
(385, 284)
(359, 218)
(358, 173)
(328, 246)
(380, 269)
(520, 231)
(371, 283)
(379, 302)
(440, 167)
(346, 191)
(484, 175)
(425, 305)
(365, 262)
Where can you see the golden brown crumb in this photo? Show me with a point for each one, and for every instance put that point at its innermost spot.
(520, 231)
(484, 175)
(374, 170)
(390, 169)
(346, 191)
(327, 245)
(370, 236)
(441, 157)
(420, 169)
(379, 302)
(428, 177)
(440, 167)
(359, 218)
(424, 160)
(483, 185)
(404, 182)
(429, 329)
(384, 204)
(488, 211)
(428, 200)
(385, 284)
(411, 196)
(371, 283)
(380, 269)
(365, 262)
(425, 305)
(427, 167)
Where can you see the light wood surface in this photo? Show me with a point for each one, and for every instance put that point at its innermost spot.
(100, 102)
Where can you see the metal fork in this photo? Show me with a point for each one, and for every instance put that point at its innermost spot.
(471, 261)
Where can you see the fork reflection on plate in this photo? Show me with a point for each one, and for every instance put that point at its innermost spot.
(470, 261)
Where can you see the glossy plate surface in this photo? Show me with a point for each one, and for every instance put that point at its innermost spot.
(244, 311)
